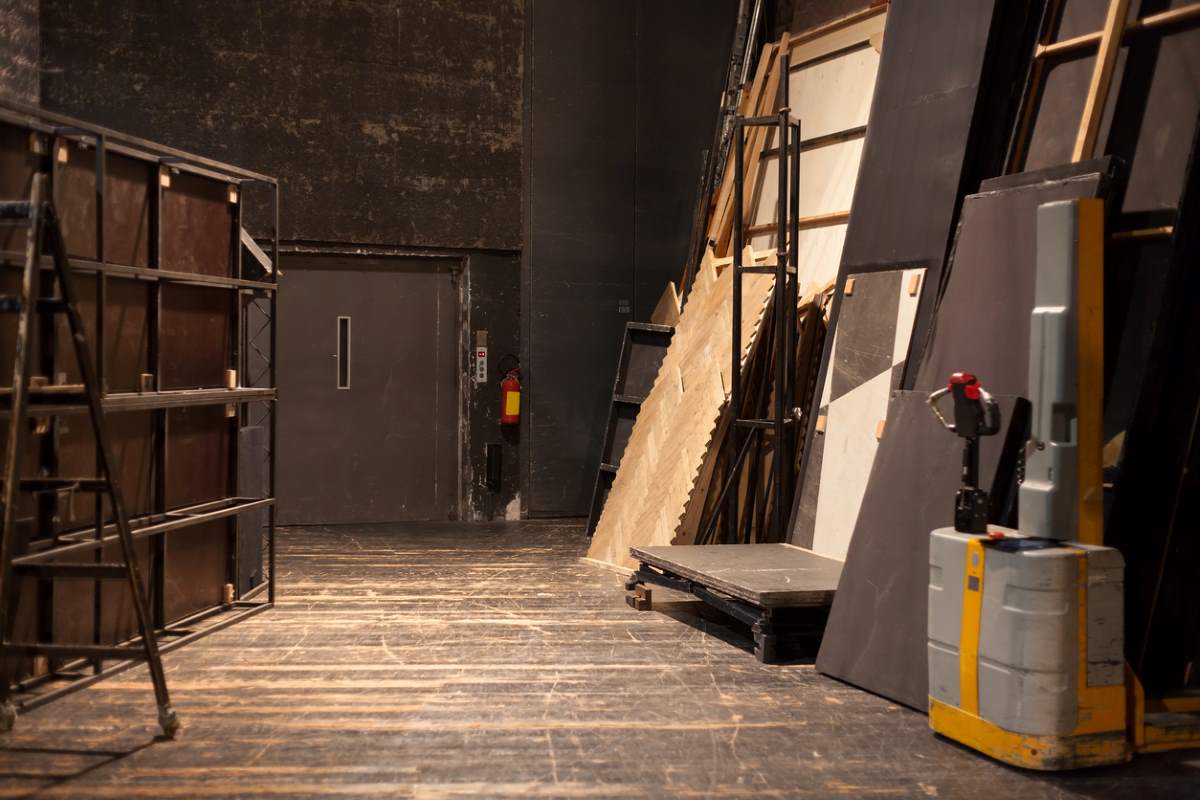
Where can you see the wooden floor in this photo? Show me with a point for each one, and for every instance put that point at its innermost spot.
(462, 661)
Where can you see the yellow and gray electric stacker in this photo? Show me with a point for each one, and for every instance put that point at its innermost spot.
(1026, 627)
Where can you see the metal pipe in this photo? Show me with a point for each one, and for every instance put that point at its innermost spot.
(788, 453)
(735, 369)
(274, 409)
(781, 277)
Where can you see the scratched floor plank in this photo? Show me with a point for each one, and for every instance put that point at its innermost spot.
(447, 660)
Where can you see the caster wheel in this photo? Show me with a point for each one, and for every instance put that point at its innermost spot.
(168, 720)
(8, 716)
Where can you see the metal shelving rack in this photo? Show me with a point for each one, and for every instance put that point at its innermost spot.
(251, 399)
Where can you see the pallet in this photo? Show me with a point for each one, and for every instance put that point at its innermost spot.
(781, 591)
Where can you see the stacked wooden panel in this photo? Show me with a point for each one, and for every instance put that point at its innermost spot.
(155, 240)
(676, 439)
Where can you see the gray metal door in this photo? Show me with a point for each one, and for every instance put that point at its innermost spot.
(369, 390)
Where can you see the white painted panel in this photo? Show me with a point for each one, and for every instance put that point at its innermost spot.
(768, 195)
(834, 95)
(820, 255)
(849, 451)
(827, 178)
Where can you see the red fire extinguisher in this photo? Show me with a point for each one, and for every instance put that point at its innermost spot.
(510, 395)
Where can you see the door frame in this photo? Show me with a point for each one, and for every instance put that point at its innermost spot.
(458, 265)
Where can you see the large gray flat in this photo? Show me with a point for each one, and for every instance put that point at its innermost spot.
(766, 575)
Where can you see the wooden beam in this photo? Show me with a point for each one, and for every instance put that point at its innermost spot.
(820, 31)
(815, 221)
(837, 137)
(1160, 232)
(1147, 24)
(1102, 75)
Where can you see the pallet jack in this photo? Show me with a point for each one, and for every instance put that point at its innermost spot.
(1026, 627)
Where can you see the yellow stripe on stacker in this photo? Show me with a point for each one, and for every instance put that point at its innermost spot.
(1090, 438)
(968, 649)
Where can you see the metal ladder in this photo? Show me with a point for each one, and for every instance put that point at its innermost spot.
(39, 216)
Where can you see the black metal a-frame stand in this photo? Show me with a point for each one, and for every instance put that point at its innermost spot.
(746, 430)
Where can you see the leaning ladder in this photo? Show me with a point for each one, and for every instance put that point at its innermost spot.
(39, 215)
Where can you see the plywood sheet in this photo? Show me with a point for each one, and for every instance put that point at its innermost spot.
(198, 230)
(126, 332)
(867, 360)
(198, 448)
(17, 165)
(131, 436)
(74, 602)
(875, 637)
(675, 435)
(196, 568)
(196, 337)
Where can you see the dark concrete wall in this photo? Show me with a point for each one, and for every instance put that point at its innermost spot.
(388, 121)
(19, 50)
(623, 98)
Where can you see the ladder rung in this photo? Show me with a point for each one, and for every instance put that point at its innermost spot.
(63, 484)
(12, 304)
(57, 389)
(72, 650)
(64, 394)
(761, 423)
(110, 572)
(52, 305)
(14, 209)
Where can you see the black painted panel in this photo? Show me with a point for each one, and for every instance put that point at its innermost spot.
(681, 63)
(581, 245)
(982, 323)
(917, 135)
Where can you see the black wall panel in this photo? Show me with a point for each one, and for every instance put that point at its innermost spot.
(580, 247)
(681, 62)
(622, 101)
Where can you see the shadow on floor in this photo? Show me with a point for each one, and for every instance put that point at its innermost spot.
(51, 767)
